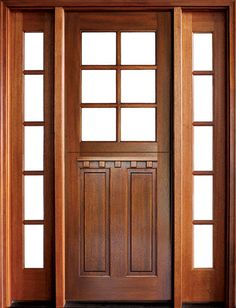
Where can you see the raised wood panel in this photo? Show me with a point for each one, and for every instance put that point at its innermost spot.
(95, 222)
(141, 221)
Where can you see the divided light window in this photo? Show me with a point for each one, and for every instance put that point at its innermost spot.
(33, 173)
(203, 165)
(118, 95)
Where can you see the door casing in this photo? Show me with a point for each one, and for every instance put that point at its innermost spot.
(59, 7)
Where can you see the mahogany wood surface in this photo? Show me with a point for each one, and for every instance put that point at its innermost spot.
(178, 160)
(118, 240)
(205, 285)
(119, 3)
(59, 139)
(104, 6)
(31, 284)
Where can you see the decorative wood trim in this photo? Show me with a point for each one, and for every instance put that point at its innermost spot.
(177, 157)
(59, 158)
(112, 163)
(119, 3)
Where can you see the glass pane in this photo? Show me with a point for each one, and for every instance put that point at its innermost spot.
(34, 147)
(203, 98)
(34, 51)
(138, 48)
(34, 252)
(203, 140)
(34, 98)
(203, 246)
(138, 124)
(98, 48)
(99, 86)
(34, 197)
(98, 124)
(202, 51)
(138, 86)
(203, 197)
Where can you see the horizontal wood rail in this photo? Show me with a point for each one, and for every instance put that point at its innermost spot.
(112, 3)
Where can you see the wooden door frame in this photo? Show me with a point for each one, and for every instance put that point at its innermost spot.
(59, 7)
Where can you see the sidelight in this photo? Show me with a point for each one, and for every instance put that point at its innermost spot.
(203, 167)
(33, 158)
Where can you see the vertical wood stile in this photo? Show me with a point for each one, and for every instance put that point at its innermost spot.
(4, 158)
(177, 157)
(59, 157)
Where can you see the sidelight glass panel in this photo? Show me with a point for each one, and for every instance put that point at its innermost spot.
(203, 148)
(34, 242)
(34, 197)
(98, 48)
(138, 124)
(203, 98)
(203, 246)
(203, 197)
(202, 52)
(138, 48)
(34, 109)
(34, 46)
(34, 148)
(98, 86)
(138, 86)
(98, 124)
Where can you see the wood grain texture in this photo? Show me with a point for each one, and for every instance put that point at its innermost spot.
(119, 3)
(178, 176)
(113, 285)
(201, 285)
(142, 221)
(231, 256)
(4, 158)
(95, 222)
(59, 157)
(28, 284)
(150, 277)
(117, 21)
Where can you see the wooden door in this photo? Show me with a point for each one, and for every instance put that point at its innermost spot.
(118, 234)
